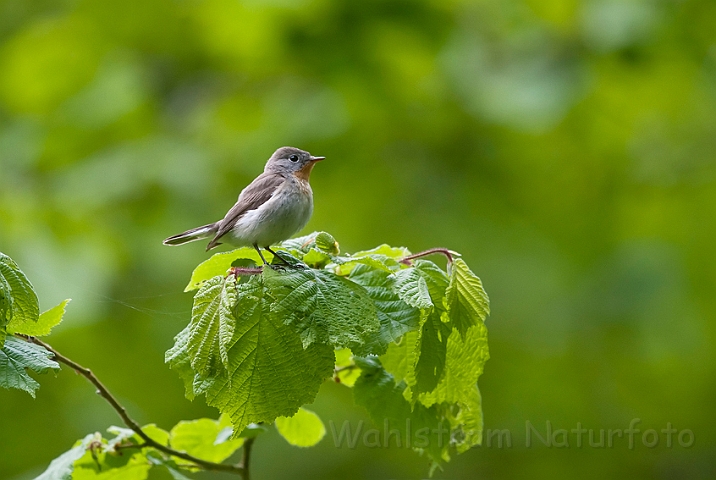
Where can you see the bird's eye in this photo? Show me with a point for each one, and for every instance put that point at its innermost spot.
(293, 158)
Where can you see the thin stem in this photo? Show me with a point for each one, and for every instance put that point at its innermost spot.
(236, 271)
(148, 442)
(246, 456)
(443, 251)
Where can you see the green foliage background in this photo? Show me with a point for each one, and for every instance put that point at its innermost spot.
(566, 148)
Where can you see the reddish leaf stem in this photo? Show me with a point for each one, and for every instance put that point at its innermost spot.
(443, 251)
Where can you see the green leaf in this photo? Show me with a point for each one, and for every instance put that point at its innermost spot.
(412, 288)
(157, 434)
(199, 438)
(431, 350)
(467, 301)
(322, 307)
(396, 253)
(431, 344)
(47, 321)
(421, 428)
(327, 243)
(5, 303)
(347, 372)
(18, 301)
(219, 263)
(465, 362)
(130, 465)
(270, 374)
(304, 429)
(61, 468)
(16, 357)
(395, 316)
(212, 325)
(400, 358)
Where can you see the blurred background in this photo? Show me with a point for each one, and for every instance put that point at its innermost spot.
(566, 148)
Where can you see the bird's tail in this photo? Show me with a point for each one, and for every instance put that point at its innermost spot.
(197, 233)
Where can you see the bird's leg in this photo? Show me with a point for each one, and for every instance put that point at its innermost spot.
(261, 254)
(278, 256)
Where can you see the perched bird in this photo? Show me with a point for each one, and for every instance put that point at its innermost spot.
(276, 205)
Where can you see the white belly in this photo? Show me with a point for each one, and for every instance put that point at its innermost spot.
(287, 212)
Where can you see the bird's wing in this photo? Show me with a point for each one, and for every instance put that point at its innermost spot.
(251, 198)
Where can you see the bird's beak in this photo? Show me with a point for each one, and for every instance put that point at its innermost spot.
(317, 159)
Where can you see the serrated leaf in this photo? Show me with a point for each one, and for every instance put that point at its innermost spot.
(304, 429)
(431, 350)
(345, 264)
(61, 468)
(18, 301)
(322, 307)
(47, 321)
(412, 288)
(199, 438)
(434, 329)
(465, 362)
(219, 263)
(395, 316)
(212, 325)
(270, 373)
(16, 357)
(5, 304)
(467, 302)
(178, 359)
(399, 360)
(419, 427)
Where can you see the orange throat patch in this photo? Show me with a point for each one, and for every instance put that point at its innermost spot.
(305, 172)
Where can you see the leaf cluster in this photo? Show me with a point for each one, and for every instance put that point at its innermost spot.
(20, 315)
(408, 336)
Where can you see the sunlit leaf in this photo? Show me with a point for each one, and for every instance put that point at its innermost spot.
(199, 438)
(467, 301)
(304, 429)
(47, 321)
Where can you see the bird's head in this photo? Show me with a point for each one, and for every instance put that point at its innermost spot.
(290, 160)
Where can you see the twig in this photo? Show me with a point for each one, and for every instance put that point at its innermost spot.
(148, 441)
(443, 251)
(246, 456)
(236, 271)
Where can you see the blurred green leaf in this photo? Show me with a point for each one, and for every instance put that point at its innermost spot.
(199, 438)
(303, 429)
(61, 468)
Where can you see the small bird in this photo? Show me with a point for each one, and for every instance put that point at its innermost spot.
(276, 205)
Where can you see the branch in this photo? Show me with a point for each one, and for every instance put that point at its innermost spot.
(246, 456)
(148, 442)
(443, 251)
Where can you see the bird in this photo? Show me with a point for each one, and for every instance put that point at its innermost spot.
(272, 208)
